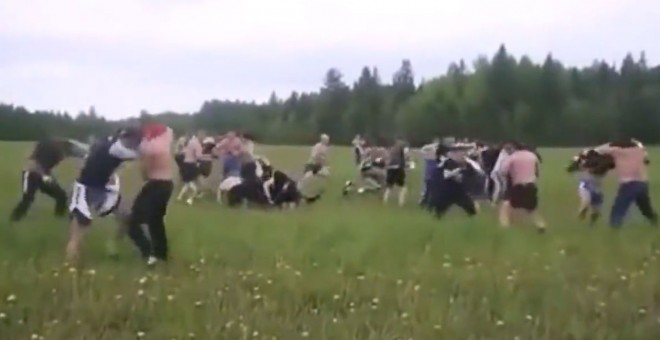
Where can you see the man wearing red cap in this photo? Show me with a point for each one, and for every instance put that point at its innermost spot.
(150, 205)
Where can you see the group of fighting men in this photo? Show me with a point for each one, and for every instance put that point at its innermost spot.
(96, 189)
(245, 177)
(456, 173)
(461, 173)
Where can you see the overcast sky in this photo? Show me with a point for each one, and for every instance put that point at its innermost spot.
(126, 55)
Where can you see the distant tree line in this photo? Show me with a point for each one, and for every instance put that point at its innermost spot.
(493, 99)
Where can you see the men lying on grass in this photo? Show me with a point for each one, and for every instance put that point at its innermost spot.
(372, 173)
(262, 186)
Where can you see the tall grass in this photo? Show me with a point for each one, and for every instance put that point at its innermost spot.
(341, 269)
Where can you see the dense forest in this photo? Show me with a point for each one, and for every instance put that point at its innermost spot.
(494, 98)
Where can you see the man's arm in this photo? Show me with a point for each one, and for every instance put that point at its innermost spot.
(475, 166)
(574, 165)
(449, 169)
(77, 149)
(119, 150)
(505, 166)
(604, 149)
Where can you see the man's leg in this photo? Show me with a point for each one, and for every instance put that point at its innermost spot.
(466, 202)
(77, 230)
(596, 203)
(497, 188)
(54, 190)
(643, 202)
(423, 201)
(389, 182)
(386, 195)
(156, 219)
(442, 203)
(30, 183)
(401, 183)
(625, 196)
(505, 212)
(585, 201)
(81, 219)
(138, 216)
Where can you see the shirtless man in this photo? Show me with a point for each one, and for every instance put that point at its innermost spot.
(396, 172)
(630, 165)
(522, 167)
(190, 167)
(317, 164)
(230, 150)
(150, 205)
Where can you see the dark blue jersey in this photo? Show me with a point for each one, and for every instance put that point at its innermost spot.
(102, 162)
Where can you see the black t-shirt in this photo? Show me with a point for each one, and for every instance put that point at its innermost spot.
(445, 170)
(102, 162)
(48, 153)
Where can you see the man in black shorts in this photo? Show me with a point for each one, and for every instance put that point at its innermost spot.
(522, 167)
(190, 167)
(37, 176)
(396, 172)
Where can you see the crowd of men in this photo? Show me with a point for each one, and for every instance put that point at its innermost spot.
(459, 173)
(242, 175)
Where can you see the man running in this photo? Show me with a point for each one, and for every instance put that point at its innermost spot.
(396, 172)
(179, 149)
(97, 186)
(428, 153)
(190, 167)
(630, 160)
(522, 168)
(358, 149)
(206, 163)
(150, 205)
(37, 175)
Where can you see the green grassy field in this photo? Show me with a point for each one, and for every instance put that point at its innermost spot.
(342, 269)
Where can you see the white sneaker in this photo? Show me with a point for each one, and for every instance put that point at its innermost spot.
(151, 261)
(189, 201)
